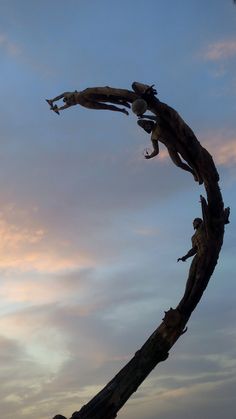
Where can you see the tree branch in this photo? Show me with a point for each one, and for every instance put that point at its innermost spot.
(114, 395)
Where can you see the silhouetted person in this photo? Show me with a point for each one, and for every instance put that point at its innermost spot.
(198, 249)
(91, 98)
(151, 126)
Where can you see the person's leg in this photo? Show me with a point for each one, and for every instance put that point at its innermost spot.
(187, 157)
(178, 162)
(98, 105)
(190, 282)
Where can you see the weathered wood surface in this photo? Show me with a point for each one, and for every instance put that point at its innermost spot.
(114, 395)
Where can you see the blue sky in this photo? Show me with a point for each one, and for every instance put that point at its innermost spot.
(90, 230)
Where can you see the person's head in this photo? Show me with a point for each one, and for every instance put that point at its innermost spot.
(139, 106)
(196, 223)
(146, 124)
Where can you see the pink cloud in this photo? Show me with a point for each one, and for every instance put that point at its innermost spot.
(43, 260)
(41, 291)
(26, 246)
(223, 149)
(226, 153)
(220, 50)
(11, 47)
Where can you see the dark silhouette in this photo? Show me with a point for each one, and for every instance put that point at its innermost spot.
(206, 246)
(92, 98)
(157, 134)
(199, 243)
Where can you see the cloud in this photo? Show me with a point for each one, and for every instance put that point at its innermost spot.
(10, 47)
(220, 50)
(14, 236)
(199, 398)
(27, 246)
(44, 289)
(226, 153)
(22, 380)
(222, 146)
(42, 342)
(78, 353)
(146, 231)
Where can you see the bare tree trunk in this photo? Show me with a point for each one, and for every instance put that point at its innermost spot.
(114, 395)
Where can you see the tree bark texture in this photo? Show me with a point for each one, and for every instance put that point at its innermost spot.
(107, 403)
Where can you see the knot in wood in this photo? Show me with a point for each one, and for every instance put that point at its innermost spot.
(172, 318)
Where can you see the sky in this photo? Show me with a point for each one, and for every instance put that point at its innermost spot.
(90, 230)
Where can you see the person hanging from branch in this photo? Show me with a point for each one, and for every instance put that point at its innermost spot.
(201, 240)
(152, 125)
(198, 250)
(92, 98)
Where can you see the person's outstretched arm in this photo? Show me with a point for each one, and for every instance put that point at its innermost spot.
(190, 253)
(155, 151)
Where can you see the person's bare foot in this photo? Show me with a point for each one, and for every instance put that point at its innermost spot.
(50, 102)
(55, 109)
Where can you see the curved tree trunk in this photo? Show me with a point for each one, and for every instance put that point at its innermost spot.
(114, 395)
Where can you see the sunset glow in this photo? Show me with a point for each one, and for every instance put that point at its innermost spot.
(90, 230)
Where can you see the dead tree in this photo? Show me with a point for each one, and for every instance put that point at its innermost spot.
(115, 394)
